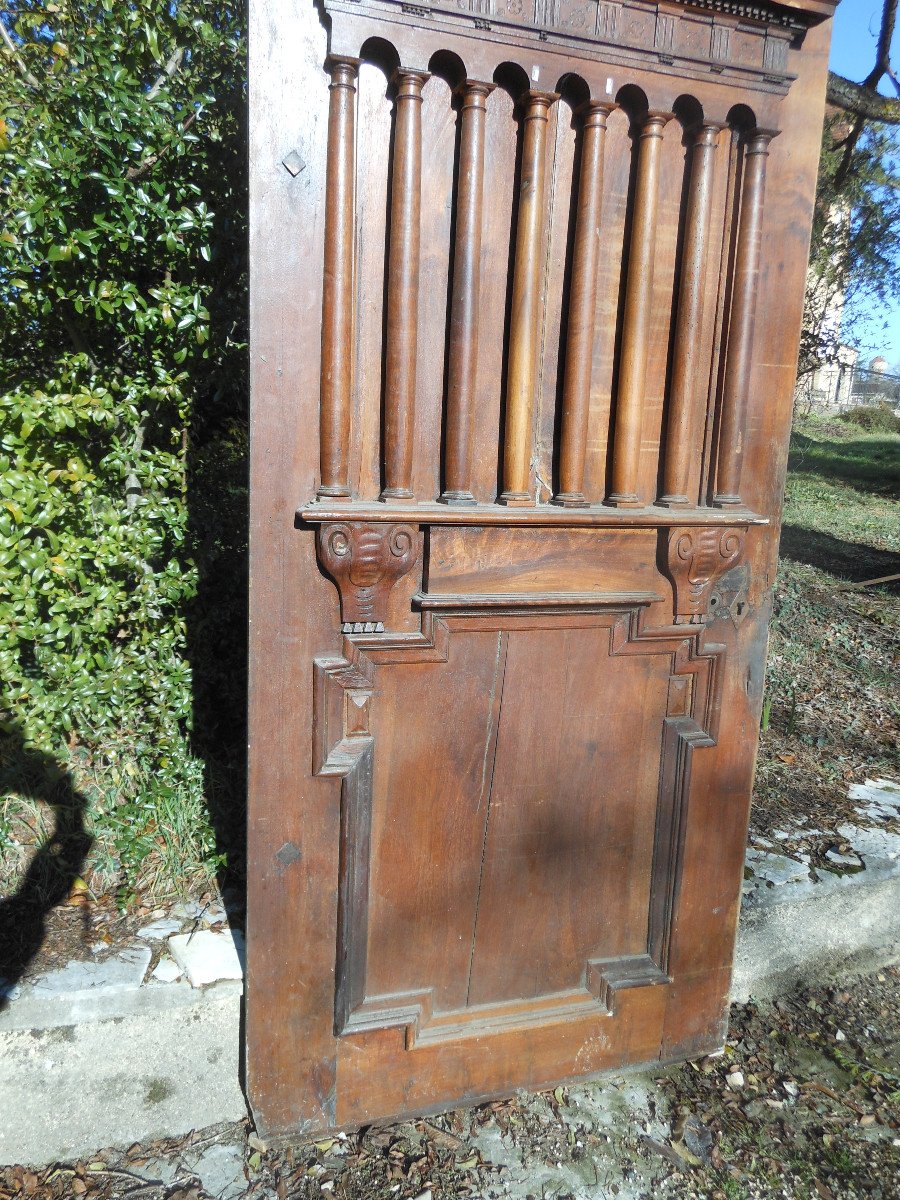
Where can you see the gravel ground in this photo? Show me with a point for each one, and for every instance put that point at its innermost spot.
(804, 1103)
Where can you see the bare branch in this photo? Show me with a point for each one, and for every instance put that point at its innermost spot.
(862, 101)
(17, 58)
(171, 67)
(885, 34)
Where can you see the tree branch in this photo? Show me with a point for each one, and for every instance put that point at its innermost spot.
(17, 58)
(174, 62)
(885, 34)
(862, 100)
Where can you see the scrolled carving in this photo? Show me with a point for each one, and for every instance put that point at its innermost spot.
(365, 561)
(696, 559)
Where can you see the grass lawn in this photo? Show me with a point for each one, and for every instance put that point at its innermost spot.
(831, 710)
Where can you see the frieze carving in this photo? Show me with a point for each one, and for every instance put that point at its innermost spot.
(696, 559)
(696, 38)
(365, 561)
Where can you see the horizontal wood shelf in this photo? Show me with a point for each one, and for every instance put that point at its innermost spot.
(542, 600)
(318, 513)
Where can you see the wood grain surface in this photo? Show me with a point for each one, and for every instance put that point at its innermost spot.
(524, 329)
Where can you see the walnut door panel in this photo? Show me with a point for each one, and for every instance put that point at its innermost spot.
(505, 850)
(526, 288)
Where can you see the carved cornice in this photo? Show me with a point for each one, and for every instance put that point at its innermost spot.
(737, 39)
(768, 14)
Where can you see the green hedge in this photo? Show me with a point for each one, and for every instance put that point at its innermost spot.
(122, 433)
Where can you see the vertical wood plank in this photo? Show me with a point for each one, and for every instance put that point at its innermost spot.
(582, 309)
(463, 359)
(743, 314)
(682, 427)
(337, 280)
(403, 288)
(526, 304)
(636, 324)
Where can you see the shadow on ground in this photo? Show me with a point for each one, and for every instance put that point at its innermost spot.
(55, 866)
(872, 464)
(853, 561)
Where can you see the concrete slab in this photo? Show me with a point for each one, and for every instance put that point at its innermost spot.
(815, 931)
(124, 972)
(68, 1089)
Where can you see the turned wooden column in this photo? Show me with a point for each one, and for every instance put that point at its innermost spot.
(636, 321)
(682, 448)
(337, 281)
(739, 351)
(576, 400)
(526, 297)
(403, 287)
(463, 356)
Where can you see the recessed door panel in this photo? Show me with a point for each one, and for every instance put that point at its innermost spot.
(569, 839)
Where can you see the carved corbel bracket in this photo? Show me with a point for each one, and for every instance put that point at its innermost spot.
(365, 561)
(696, 559)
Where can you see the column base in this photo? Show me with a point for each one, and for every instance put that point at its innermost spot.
(456, 497)
(516, 500)
(624, 500)
(674, 502)
(570, 500)
(396, 496)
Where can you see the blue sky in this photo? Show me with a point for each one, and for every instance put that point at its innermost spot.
(853, 45)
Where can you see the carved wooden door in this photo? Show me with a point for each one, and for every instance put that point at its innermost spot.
(527, 283)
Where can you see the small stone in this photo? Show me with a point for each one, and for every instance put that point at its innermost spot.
(791, 1088)
(735, 1080)
(843, 860)
(9, 991)
(187, 910)
(776, 869)
(840, 1036)
(221, 1171)
(166, 970)
(160, 929)
(207, 956)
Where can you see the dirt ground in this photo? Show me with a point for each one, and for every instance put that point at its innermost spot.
(804, 1103)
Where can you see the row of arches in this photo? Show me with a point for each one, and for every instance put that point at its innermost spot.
(713, 242)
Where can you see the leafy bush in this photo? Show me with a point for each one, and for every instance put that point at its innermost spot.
(874, 418)
(122, 394)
